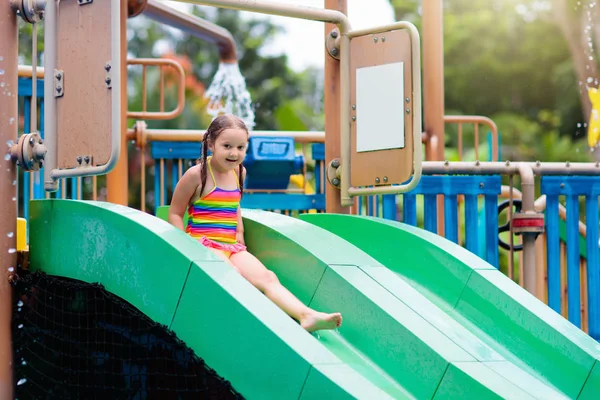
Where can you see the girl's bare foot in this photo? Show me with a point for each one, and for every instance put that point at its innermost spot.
(315, 321)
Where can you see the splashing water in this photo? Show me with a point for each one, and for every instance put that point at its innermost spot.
(7, 157)
(12, 251)
(10, 234)
(21, 381)
(227, 94)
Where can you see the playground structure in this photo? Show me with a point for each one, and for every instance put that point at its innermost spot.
(442, 186)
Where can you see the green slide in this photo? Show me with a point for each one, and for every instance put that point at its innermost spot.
(507, 330)
(422, 318)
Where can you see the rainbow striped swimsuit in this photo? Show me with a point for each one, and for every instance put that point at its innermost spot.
(212, 219)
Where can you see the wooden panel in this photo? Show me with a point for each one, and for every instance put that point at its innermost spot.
(84, 112)
(395, 164)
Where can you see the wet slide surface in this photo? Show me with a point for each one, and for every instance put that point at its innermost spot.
(421, 318)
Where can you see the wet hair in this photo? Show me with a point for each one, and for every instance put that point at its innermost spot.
(218, 125)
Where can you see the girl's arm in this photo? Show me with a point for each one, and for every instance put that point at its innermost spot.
(183, 193)
(239, 234)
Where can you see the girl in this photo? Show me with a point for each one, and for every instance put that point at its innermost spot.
(211, 192)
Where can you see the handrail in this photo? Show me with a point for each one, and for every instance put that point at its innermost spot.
(159, 115)
(476, 120)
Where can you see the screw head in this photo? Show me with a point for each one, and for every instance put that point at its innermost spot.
(79, 159)
(335, 163)
(87, 159)
(385, 178)
(408, 110)
(335, 181)
(334, 34)
(107, 81)
(377, 180)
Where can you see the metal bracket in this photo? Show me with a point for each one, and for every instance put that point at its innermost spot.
(84, 161)
(334, 173)
(84, 2)
(107, 78)
(32, 11)
(30, 152)
(332, 43)
(59, 83)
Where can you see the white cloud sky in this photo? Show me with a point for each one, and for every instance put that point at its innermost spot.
(303, 41)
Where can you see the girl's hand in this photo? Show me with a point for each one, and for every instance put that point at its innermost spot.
(239, 237)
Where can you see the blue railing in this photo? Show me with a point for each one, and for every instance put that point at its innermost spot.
(179, 156)
(573, 188)
(481, 225)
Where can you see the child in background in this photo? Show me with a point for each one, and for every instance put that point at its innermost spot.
(215, 220)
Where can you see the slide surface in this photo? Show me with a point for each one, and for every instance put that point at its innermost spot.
(421, 318)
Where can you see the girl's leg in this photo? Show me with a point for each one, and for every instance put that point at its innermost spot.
(266, 281)
(224, 257)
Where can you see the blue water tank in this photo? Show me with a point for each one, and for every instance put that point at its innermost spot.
(270, 162)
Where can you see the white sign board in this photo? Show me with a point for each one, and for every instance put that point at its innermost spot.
(380, 107)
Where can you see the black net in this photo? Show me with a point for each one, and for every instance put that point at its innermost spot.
(74, 340)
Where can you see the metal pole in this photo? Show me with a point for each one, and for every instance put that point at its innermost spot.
(192, 135)
(332, 101)
(50, 52)
(8, 190)
(433, 89)
(117, 189)
(197, 27)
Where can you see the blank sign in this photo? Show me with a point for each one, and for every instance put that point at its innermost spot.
(380, 107)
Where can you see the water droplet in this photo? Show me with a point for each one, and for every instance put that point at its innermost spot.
(12, 250)
(19, 309)
(2, 84)
(579, 124)
(590, 58)
(10, 143)
(11, 269)
(21, 381)
(7, 157)
(10, 234)
(1, 58)
(1, 72)
(11, 120)
(8, 94)
(14, 198)
(23, 362)
(14, 183)
(20, 326)
(20, 303)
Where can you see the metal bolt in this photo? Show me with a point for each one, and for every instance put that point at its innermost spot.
(354, 106)
(335, 181)
(41, 164)
(79, 159)
(335, 163)
(562, 185)
(375, 39)
(31, 161)
(597, 164)
(383, 38)
(407, 99)
(377, 180)
(481, 185)
(538, 163)
(408, 110)
(31, 141)
(568, 164)
(385, 178)
(41, 141)
(353, 118)
(107, 81)
(446, 163)
(107, 67)
(58, 76)
(334, 51)
(59, 89)
(334, 34)
(87, 159)
(477, 163)
(507, 163)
